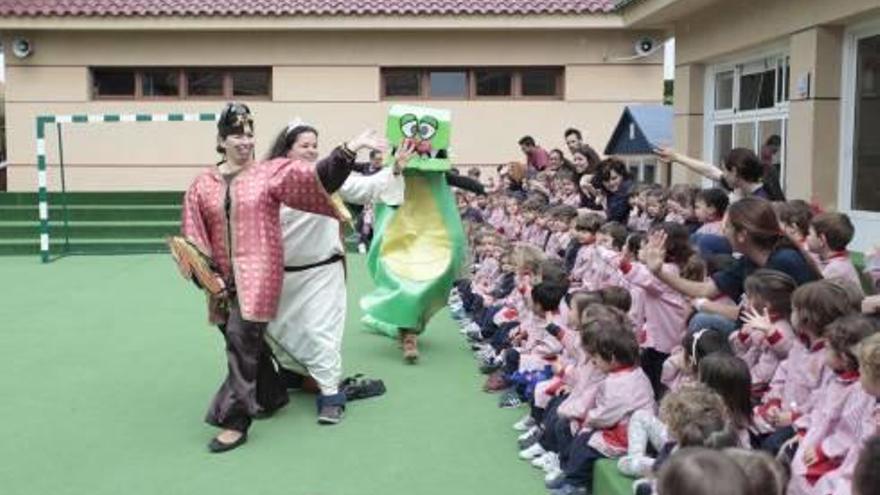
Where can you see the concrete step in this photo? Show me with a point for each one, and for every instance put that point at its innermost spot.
(94, 213)
(92, 229)
(9, 247)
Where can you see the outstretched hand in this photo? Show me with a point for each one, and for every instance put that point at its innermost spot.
(665, 154)
(368, 139)
(403, 155)
(653, 254)
(758, 321)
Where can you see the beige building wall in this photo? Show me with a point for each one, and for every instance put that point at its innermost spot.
(330, 79)
(812, 30)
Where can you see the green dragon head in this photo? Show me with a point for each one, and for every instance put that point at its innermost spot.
(428, 129)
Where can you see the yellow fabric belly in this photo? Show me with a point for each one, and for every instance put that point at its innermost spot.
(416, 243)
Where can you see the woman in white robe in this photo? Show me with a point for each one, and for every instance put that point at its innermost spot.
(306, 334)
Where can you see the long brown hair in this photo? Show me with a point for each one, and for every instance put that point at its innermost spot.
(757, 218)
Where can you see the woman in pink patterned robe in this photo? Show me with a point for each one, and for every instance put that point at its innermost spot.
(231, 212)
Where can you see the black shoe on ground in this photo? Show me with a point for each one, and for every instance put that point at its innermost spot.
(216, 446)
(330, 415)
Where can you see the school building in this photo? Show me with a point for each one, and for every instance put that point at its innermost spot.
(803, 72)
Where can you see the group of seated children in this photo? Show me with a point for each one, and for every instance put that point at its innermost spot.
(766, 382)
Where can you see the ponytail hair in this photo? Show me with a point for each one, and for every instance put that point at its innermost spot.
(757, 218)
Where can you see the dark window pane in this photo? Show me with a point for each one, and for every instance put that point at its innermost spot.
(724, 90)
(204, 82)
(723, 142)
(539, 82)
(757, 90)
(113, 82)
(161, 83)
(787, 79)
(449, 84)
(493, 82)
(251, 82)
(650, 173)
(402, 83)
(866, 146)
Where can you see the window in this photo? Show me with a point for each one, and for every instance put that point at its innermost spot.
(757, 85)
(723, 142)
(866, 150)
(448, 84)
(204, 83)
(748, 108)
(642, 168)
(491, 82)
(177, 83)
(724, 90)
(783, 79)
(112, 82)
(472, 83)
(251, 82)
(541, 82)
(159, 83)
(405, 82)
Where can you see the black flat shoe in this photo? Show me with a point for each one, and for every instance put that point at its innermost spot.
(216, 446)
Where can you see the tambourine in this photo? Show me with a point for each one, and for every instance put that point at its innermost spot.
(196, 266)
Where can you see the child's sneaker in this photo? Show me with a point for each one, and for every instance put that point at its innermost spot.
(481, 346)
(525, 423)
(510, 400)
(551, 465)
(489, 366)
(532, 452)
(567, 489)
(529, 438)
(552, 473)
(546, 461)
(362, 248)
(555, 482)
(484, 354)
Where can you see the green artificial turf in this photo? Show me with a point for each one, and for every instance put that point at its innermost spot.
(108, 365)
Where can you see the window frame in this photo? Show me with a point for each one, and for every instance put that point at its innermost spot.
(867, 222)
(183, 84)
(93, 89)
(471, 75)
(780, 57)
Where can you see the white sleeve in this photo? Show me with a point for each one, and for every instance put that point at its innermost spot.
(382, 186)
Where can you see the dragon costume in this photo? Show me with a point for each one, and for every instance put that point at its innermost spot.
(418, 247)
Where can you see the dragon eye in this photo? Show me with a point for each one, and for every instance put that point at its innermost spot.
(428, 127)
(408, 125)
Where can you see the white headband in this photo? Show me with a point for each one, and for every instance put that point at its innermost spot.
(697, 336)
(293, 124)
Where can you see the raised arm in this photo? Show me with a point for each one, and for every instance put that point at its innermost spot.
(465, 183)
(654, 254)
(707, 170)
(335, 168)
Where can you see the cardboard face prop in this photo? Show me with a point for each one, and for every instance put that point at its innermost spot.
(428, 129)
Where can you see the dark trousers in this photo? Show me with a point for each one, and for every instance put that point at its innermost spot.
(578, 464)
(774, 441)
(652, 364)
(538, 414)
(557, 436)
(252, 383)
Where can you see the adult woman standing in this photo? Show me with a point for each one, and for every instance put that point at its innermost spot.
(231, 214)
(307, 332)
(742, 173)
